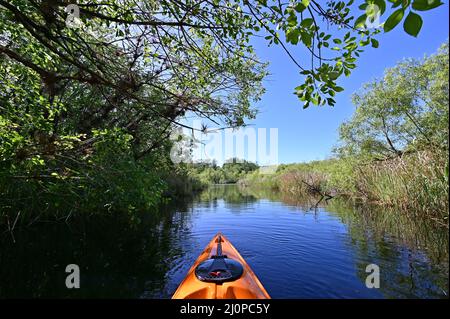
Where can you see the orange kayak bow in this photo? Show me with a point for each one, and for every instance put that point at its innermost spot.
(220, 272)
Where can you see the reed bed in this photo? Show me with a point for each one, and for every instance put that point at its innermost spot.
(415, 183)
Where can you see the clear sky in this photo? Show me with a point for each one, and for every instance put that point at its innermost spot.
(305, 135)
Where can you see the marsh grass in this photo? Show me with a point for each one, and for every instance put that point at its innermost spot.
(416, 184)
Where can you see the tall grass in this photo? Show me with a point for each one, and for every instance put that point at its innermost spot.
(416, 183)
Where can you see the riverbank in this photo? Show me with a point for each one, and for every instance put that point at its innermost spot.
(392, 152)
(415, 184)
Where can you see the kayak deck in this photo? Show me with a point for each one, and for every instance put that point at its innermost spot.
(247, 286)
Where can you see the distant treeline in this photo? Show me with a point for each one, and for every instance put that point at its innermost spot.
(208, 172)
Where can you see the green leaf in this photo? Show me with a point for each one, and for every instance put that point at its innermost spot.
(347, 72)
(363, 6)
(292, 35)
(413, 24)
(393, 20)
(381, 5)
(292, 20)
(396, 3)
(306, 23)
(305, 2)
(333, 75)
(374, 43)
(306, 105)
(306, 39)
(301, 6)
(276, 9)
(364, 42)
(424, 5)
(361, 21)
(406, 3)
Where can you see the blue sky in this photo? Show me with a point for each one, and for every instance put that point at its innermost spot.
(305, 135)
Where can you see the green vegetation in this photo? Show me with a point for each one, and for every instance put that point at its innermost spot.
(230, 172)
(90, 95)
(393, 151)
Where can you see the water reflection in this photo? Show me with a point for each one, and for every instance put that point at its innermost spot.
(232, 196)
(413, 254)
(117, 257)
(296, 251)
(407, 250)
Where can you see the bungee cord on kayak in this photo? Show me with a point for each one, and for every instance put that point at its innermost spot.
(220, 272)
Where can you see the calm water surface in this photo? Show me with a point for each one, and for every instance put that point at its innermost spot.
(295, 250)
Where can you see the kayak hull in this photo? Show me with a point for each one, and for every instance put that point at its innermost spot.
(247, 286)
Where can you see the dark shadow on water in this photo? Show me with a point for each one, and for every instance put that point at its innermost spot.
(118, 257)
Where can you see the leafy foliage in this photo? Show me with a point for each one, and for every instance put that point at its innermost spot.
(404, 111)
(230, 172)
(87, 104)
(393, 151)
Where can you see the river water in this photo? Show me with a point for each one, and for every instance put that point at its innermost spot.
(296, 249)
